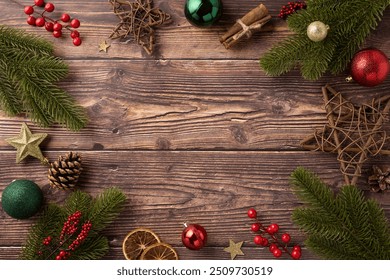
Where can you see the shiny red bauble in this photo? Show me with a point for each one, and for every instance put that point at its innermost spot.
(194, 237)
(370, 67)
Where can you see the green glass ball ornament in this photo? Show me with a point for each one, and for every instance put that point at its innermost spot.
(203, 13)
(317, 31)
(22, 199)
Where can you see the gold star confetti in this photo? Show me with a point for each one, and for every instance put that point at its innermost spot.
(234, 249)
(27, 144)
(103, 46)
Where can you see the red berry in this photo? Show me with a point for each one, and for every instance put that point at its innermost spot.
(277, 253)
(77, 41)
(272, 247)
(57, 26)
(28, 10)
(57, 34)
(272, 229)
(49, 26)
(40, 22)
(58, 257)
(39, 3)
(296, 255)
(264, 242)
(286, 237)
(75, 23)
(258, 239)
(49, 7)
(297, 248)
(65, 18)
(62, 253)
(252, 213)
(255, 227)
(31, 20)
(74, 34)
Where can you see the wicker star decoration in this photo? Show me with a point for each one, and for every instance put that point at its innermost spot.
(234, 249)
(27, 144)
(138, 19)
(353, 132)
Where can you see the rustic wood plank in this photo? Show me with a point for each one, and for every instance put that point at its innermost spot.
(207, 253)
(166, 189)
(190, 104)
(178, 40)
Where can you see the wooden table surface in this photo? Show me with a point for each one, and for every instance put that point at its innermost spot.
(195, 133)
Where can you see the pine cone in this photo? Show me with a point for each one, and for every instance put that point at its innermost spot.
(379, 180)
(64, 173)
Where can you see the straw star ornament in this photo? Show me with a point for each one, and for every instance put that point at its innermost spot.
(137, 21)
(353, 132)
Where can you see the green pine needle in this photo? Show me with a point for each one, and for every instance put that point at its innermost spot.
(100, 211)
(346, 226)
(350, 22)
(28, 71)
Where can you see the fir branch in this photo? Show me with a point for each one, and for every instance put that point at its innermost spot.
(47, 225)
(106, 208)
(93, 249)
(99, 211)
(343, 227)
(8, 99)
(29, 73)
(350, 23)
(24, 42)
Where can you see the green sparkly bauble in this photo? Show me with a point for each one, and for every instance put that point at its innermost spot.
(203, 13)
(22, 199)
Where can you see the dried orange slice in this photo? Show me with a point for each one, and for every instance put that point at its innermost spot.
(137, 241)
(159, 251)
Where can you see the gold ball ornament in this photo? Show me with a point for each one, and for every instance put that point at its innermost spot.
(317, 31)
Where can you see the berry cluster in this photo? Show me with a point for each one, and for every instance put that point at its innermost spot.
(50, 24)
(70, 226)
(63, 245)
(86, 227)
(291, 8)
(275, 246)
(47, 241)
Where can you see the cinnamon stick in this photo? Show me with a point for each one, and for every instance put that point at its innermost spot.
(249, 23)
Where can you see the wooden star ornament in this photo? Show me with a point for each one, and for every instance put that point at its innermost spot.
(234, 249)
(27, 144)
(103, 46)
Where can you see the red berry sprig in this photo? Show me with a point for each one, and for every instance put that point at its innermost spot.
(291, 8)
(50, 24)
(62, 247)
(70, 226)
(275, 244)
(86, 227)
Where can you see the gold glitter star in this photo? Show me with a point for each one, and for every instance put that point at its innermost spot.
(234, 249)
(27, 144)
(103, 46)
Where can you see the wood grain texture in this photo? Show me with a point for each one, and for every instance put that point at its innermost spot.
(221, 104)
(166, 189)
(194, 133)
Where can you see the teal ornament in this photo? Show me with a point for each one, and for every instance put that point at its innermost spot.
(22, 199)
(203, 13)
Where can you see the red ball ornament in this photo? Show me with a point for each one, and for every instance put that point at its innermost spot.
(194, 237)
(370, 67)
